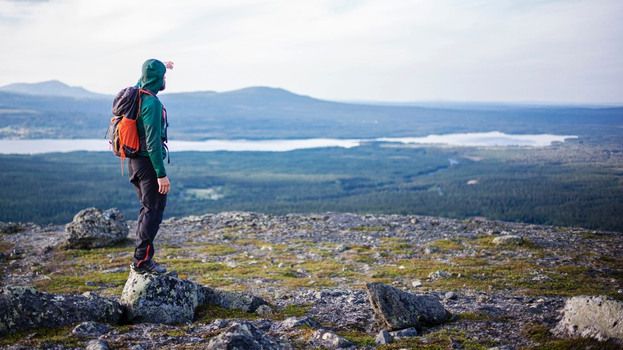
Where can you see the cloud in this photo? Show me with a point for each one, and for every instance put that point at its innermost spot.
(385, 50)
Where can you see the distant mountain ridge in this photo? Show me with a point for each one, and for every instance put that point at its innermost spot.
(51, 88)
(55, 110)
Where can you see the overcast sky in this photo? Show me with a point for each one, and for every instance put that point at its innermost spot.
(457, 50)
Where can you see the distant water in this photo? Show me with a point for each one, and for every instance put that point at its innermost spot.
(484, 139)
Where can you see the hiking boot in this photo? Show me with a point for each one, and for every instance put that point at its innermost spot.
(149, 266)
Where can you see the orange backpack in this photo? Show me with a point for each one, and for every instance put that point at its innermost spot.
(122, 132)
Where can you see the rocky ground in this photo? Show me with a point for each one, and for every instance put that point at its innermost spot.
(503, 283)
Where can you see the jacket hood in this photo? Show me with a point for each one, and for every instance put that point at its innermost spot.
(152, 77)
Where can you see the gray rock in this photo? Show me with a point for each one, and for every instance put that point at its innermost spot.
(398, 309)
(508, 240)
(168, 299)
(90, 329)
(92, 228)
(330, 340)
(231, 300)
(243, 336)
(160, 298)
(383, 337)
(97, 344)
(25, 308)
(598, 317)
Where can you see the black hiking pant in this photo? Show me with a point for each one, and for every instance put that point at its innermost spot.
(143, 177)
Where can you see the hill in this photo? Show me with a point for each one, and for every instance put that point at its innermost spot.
(268, 113)
(51, 88)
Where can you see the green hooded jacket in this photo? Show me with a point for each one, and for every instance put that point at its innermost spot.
(151, 124)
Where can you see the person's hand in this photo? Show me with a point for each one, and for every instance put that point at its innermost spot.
(164, 185)
(169, 64)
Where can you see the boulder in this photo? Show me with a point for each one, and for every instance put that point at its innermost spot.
(25, 308)
(398, 309)
(92, 228)
(168, 299)
(156, 298)
(243, 336)
(507, 240)
(598, 317)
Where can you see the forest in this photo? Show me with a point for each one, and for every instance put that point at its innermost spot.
(570, 184)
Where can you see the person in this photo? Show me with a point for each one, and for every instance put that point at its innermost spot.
(147, 172)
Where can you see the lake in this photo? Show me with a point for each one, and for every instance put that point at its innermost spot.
(483, 139)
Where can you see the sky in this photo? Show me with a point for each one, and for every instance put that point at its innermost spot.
(549, 51)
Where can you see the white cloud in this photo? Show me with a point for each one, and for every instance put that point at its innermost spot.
(385, 50)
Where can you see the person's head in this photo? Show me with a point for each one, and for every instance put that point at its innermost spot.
(153, 75)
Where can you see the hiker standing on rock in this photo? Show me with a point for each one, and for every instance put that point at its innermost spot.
(147, 172)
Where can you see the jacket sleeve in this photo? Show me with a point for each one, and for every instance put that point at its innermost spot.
(151, 112)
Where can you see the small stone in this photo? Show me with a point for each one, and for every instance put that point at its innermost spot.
(330, 340)
(90, 329)
(97, 344)
(450, 296)
(416, 283)
(243, 335)
(383, 338)
(507, 240)
(90, 283)
(404, 333)
(264, 310)
(431, 250)
(294, 322)
(439, 274)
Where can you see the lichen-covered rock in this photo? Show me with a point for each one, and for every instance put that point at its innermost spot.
(168, 299)
(25, 308)
(397, 309)
(92, 228)
(243, 336)
(596, 317)
(156, 298)
(507, 240)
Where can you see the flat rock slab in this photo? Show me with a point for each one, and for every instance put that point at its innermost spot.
(25, 308)
(596, 317)
(398, 309)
